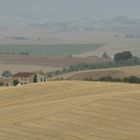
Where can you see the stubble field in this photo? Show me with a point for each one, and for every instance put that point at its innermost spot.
(70, 110)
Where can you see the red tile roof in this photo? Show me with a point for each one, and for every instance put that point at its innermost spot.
(24, 74)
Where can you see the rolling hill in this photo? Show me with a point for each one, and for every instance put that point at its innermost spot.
(70, 110)
(96, 74)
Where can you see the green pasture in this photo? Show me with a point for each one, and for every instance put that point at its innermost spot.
(49, 50)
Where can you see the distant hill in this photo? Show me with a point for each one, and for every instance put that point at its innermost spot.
(96, 74)
(70, 110)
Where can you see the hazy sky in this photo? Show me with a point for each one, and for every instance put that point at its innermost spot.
(39, 11)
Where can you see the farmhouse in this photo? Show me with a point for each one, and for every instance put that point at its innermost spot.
(23, 77)
(27, 78)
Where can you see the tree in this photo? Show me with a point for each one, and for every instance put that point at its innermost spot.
(1, 84)
(69, 55)
(133, 79)
(35, 78)
(123, 56)
(105, 55)
(6, 74)
(15, 82)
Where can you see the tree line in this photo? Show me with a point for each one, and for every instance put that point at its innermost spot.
(120, 59)
(131, 79)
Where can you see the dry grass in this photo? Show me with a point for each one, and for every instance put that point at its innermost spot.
(70, 110)
(96, 74)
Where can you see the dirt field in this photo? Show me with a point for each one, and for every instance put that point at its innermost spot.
(25, 68)
(17, 63)
(70, 111)
(96, 74)
(45, 61)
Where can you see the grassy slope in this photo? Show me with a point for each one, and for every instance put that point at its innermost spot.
(96, 74)
(70, 110)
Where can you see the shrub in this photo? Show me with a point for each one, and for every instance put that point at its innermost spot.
(15, 82)
(1, 84)
(131, 79)
(35, 78)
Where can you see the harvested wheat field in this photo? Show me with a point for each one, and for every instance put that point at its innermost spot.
(120, 72)
(70, 110)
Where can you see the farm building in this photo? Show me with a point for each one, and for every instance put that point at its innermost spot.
(27, 78)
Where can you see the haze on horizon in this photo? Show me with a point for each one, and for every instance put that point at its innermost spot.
(41, 11)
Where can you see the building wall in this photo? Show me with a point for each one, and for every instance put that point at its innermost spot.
(40, 78)
(10, 83)
(30, 79)
(24, 80)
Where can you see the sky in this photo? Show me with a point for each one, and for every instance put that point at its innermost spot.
(42, 11)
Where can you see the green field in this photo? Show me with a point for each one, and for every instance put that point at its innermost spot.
(50, 50)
